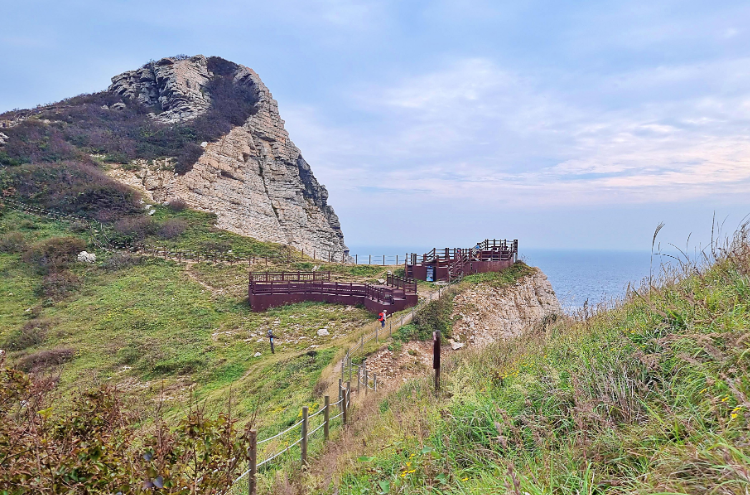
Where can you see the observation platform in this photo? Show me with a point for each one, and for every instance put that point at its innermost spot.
(449, 264)
(271, 289)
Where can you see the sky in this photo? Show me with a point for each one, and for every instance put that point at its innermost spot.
(566, 125)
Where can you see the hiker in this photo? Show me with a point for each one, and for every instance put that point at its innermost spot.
(381, 318)
(271, 336)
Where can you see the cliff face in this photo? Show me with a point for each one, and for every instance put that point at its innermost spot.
(488, 314)
(253, 178)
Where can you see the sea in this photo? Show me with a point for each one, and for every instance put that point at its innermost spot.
(578, 277)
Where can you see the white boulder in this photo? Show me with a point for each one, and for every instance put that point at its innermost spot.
(323, 332)
(257, 354)
(85, 257)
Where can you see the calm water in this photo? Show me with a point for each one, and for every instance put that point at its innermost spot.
(596, 276)
(576, 276)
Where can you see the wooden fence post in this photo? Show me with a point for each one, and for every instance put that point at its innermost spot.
(343, 403)
(252, 461)
(304, 436)
(436, 358)
(350, 367)
(342, 369)
(326, 416)
(359, 381)
(364, 363)
(341, 394)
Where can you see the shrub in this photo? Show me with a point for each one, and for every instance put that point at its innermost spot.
(58, 285)
(31, 334)
(54, 253)
(71, 187)
(12, 242)
(42, 360)
(136, 228)
(177, 204)
(172, 228)
(94, 445)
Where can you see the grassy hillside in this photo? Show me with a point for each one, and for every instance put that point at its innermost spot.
(649, 397)
(158, 328)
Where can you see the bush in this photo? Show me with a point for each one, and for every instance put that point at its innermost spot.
(216, 246)
(72, 188)
(42, 360)
(58, 285)
(12, 242)
(31, 334)
(172, 228)
(136, 229)
(54, 253)
(177, 204)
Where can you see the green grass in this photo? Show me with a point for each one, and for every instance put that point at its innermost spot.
(164, 329)
(649, 397)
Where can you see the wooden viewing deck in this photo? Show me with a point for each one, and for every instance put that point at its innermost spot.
(490, 255)
(271, 289)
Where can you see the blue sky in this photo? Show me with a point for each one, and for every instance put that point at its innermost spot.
(563, 124)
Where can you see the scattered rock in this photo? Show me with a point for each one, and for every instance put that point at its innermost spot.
(257, 354)
(323, 332)
(456, 345)
(85, 257)
(118, 106)
(204, 144)
(381, 281)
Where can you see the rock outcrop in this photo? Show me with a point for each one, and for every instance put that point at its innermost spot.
(485, 314)
(253, 178)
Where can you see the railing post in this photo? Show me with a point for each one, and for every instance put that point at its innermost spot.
(364, 363)
(341, 394)
(342, 369)
(359, 380)
(350, 368)
(304, 436)
(383, 260)
(252, 461)
(326, 416)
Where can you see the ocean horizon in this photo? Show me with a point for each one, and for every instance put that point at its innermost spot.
(578, 277)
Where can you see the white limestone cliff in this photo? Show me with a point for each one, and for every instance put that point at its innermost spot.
(254, 178)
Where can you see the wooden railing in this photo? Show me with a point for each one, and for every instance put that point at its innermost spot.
(407, 284)
(297, 276)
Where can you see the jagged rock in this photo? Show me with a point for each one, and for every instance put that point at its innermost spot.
(118, 106)
(85, 257)
(254, 178)
(172, 86)
(456, 345)
(3, 139)
(323, 332)
(257, 354)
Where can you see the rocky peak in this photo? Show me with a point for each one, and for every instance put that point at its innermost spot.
(253, 177)
(174, 87)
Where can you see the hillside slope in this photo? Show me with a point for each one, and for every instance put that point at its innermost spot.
(204, 131)
(648, 397)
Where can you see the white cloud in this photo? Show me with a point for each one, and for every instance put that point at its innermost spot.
(477, 133)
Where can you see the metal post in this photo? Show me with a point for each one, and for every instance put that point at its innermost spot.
(369, 260)
(252, 461)
(436, 358)
(350, 369)
(341, 394)
(342, 369)
(304, 436)
(383, 260)
(359, 380)
(356, 261)
(326, 416)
